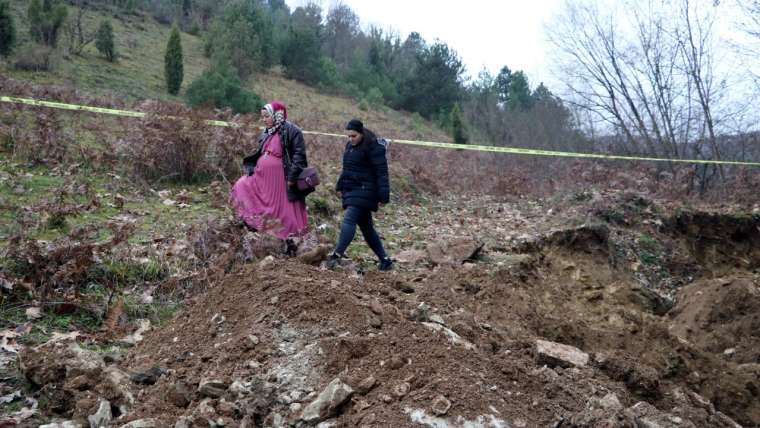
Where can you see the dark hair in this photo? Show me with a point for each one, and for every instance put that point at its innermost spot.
(355, 125)
(369, 136)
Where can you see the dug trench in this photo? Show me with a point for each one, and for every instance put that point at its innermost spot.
(596, 325)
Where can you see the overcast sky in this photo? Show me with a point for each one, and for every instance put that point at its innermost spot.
(485, 33)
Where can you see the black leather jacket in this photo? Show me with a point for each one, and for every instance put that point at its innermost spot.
(293, 159)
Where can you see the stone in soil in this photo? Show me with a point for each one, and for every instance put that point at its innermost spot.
(557, 354)
(327, 402)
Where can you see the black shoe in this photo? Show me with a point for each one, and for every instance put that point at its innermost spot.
(291, 248)
(242, 223)
(385, 264)
(333, 261)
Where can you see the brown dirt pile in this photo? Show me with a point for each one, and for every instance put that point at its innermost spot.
(438, 343)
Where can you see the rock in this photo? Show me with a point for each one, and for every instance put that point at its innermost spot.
(205, 410)
(141, 423)
(137, 336)
(102, 416)
(225, 408)
(453, 337)
(53, 364)
(730, 352)
(366, 385)
(645, 415)
(435, 318)
(64, 424)
(599, 412)
(332, 423)
(455, 252)
(119, 382)
(327, 402)
(268, 261)
(723, 421)
(80, 383)
(610, 403)
(410, 256)
(149, 377)
(401, 389)
(557, 354)
(316, 255)
(184, 422)
(375, 307)
(212, 388)
(396, 362)
(375, 321)
(253, 340)
(179, 394)
(385, 398)
(441, 405)
(240, 388)
(421, 313)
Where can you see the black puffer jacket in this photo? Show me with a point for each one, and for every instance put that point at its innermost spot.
(364, 180)
(293, 159)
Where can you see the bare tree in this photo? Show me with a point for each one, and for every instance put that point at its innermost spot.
(649, 73)
(695, 42)
(78, 36)
(341, 33)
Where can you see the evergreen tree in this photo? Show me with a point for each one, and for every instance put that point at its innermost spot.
(7, 30)
(502, 83)
(519, 92)
(436, 85)
(104, 41)
(173, 68)
(456, 123)
(45, 20)
(301, 55)
(220, 87)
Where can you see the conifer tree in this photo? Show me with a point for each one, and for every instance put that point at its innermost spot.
(456, 122)
(173, 68)
(7, 30)
(104, 41)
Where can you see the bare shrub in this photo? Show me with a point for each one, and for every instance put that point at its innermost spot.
(42, 139)
(35, 58)
(161, 148)
(62, 267)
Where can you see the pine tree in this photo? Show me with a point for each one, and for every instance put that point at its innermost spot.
(7, 30)
(456, 122)
(173, 68)
(104, 41)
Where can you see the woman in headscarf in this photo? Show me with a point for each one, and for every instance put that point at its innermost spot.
(267, 198)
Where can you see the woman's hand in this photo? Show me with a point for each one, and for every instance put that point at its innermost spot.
(291, 184)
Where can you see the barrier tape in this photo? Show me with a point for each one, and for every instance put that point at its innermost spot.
(479, 148)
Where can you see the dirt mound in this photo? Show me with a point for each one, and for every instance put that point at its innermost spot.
(559, 333)
(721, 316)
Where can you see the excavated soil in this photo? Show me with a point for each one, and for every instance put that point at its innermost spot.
(427, 335)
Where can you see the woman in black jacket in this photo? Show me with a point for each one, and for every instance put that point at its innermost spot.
(364, 187)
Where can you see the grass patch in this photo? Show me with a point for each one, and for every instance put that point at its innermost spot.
(650, 250)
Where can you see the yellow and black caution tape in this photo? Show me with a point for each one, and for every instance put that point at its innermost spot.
(479, 148)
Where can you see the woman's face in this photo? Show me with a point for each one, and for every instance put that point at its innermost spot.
(267, 118)
(354, 137)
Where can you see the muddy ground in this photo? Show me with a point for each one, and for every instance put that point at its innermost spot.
(617, 313)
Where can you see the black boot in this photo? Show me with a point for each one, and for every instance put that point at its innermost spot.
(333, 260)
(385, 264)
